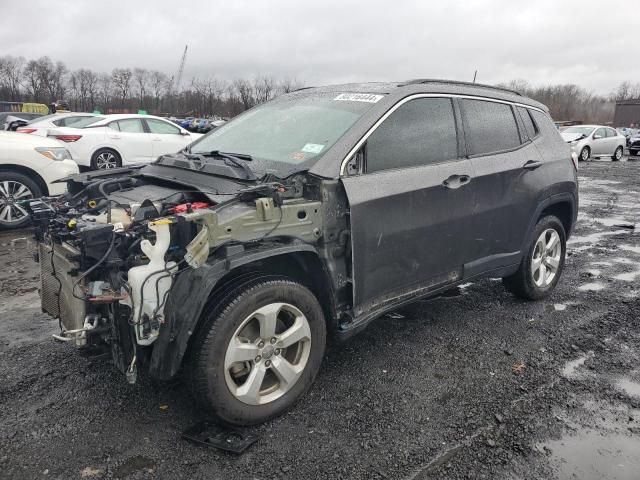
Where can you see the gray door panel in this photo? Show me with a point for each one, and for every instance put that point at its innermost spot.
(506, 196)
(408, 230)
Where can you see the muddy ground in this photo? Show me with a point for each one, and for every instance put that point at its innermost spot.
(476, 384)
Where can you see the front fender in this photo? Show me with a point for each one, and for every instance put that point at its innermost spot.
(188, 297)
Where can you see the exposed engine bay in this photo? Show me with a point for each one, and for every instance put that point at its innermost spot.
(113, 247)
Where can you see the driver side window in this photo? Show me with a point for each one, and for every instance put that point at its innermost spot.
(599, 133)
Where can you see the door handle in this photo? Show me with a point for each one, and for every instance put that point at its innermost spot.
(532, 165)
(456, 181)
(156, 139)
(114, 137)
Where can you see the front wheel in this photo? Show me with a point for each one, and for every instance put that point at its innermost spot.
(542, 264)
(585, 153)
(14, 189)
(617, 155)
(258, 351)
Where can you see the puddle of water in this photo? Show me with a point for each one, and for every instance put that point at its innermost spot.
(630, 248)
(134, 464)
(591, 287)
(627, 277)
(560, 307)
(629, 387)
(569, 369)
(602, 264)
(594, 456)
(594, 238)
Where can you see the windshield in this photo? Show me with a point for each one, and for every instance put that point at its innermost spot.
(287, 135)
(580, 130)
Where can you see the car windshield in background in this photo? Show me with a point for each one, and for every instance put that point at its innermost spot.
(581, 130)
(290, 134)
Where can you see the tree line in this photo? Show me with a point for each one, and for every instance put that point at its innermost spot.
(125, 89)
(130, 90)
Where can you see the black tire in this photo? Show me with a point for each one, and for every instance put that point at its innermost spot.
(7, 202)
(205, 373)
(522, 282)
(617, 155)
(585, 154)
(105, 156)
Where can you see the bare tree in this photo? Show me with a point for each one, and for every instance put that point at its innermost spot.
(245, 92)
(159, 83)
(10, 75)
(141, 78)
(121, 80)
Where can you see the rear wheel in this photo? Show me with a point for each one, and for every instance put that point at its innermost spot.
(542, 264)
(617, 155)
(258, 351)
(14, 188)
(585, 153)
(105, 159)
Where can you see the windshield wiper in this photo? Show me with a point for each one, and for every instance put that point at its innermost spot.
(231, 159)
(235, 159)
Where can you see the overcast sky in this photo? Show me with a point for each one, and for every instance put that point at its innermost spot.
(590, 43)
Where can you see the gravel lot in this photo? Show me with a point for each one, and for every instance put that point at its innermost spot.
(475, 384)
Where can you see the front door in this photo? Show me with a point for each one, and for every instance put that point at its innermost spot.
(130, 139)
(410, 205)
(166, 138)
(600, 143)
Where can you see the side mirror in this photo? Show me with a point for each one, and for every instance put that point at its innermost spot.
(184, 133)
(597, 137)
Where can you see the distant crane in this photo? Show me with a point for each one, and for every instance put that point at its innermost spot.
(181, 69)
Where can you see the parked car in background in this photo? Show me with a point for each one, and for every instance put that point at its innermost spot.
(594, 141)
(116, 140)
(309, 215)
(41, 126)
(634, 143)
(185, 123)
(29, 166)
(8, 118)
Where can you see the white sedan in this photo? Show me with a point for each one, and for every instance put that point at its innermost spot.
(589, 141)
(117, 140)
(29, 166)
(42, 125)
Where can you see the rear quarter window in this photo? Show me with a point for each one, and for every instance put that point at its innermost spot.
(529, 125)
(490, 127)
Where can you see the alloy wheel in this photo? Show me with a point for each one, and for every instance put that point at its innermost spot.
(106, 161)
(618, 153)
(545, 260)
(267, 354)
(12, 192)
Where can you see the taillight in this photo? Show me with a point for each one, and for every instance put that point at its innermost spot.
(26, 130)
(67, 138)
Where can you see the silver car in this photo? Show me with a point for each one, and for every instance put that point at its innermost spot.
(594, 141)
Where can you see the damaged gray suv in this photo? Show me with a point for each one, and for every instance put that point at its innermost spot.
(230, 263)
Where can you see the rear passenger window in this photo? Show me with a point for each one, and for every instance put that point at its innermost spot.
(131, 125)
(420, 132)
(529, 126)
(489, 127)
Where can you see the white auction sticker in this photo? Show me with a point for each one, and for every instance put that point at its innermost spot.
(312, 148)
(359, 97)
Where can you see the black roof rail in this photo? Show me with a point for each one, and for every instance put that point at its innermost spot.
(418, 81)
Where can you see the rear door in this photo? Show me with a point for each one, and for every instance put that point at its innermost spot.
(410, 205)
(612, 140)
(166, 137)
(509, 170)
(131, 140)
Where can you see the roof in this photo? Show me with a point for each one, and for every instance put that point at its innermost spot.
(121, 116)
(427, 86)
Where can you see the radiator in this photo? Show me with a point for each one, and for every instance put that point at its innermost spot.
(57, 283)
